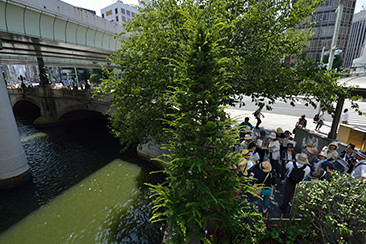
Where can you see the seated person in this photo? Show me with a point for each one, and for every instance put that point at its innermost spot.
(309, 141)
(321, 165)
(349, 156)
(331, 151)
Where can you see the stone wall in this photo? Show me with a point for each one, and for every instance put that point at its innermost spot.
(322, 140)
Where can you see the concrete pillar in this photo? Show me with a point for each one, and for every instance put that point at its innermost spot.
(13, 162)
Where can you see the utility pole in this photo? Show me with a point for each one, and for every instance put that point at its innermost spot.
(333, 131)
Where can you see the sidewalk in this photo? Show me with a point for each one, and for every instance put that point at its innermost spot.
(271, 121)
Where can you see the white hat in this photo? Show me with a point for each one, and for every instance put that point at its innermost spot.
(334, 143)
(323, 154)
(272, 135)
(311, 132)
(301, 158)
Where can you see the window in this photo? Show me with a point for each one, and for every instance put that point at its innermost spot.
(108, 12)
(103, 16)
(122, 10)
(116, 18)
(133, 15)
(116, 10)
(128, 12)
(123, 18)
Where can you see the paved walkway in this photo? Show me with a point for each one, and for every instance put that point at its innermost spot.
(271, 121)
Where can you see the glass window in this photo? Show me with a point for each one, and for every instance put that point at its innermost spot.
(116, 18)
(128, 12)
(133, 14)
(123, 18)
(102, 15)
(116, 10)
(123, 11)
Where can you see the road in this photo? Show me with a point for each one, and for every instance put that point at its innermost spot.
(286, 109)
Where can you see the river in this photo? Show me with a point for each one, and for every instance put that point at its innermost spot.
(83, 189)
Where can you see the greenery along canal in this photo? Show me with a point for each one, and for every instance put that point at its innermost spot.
(83, 189)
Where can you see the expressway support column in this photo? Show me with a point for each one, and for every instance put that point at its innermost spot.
(14, 168)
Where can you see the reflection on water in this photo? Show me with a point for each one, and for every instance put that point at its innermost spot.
(62, 159)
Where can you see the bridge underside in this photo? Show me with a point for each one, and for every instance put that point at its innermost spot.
(22, 50)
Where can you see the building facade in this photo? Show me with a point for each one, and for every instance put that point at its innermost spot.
(356, 39)
(118, 12)
(325, 17)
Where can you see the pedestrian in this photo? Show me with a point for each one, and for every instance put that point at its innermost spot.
(274, 152)
(309, 141)
(297, 171)
(344, 117)
(263, 176)
(257, 114)
(320, 120)
(359, 172)
(349, 157)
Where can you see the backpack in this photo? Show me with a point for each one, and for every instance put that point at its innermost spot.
(316, 117)
(297, 174)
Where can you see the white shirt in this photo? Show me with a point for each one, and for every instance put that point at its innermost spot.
(275, 149)
(321, 116)
(344, 117)
(254, 156)
(290, 167)
(360, 170)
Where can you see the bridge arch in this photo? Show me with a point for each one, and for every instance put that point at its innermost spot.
(77, 109)
(15, 102)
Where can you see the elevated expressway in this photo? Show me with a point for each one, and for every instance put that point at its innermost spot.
(45, 33)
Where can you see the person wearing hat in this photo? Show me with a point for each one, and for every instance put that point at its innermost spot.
(244, 144)
(309, 141)
(321, 165)
(286, 156)
(331, 151)
(263, 176)
(359, 172)
(301, 166)
(262, 145)
(274, 152)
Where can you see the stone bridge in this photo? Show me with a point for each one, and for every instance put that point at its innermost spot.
(54, 104)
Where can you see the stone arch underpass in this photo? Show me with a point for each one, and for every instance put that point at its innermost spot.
(55, 106)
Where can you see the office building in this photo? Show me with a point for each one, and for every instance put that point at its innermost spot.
(119, 12)
(356, 39)
(325, 18)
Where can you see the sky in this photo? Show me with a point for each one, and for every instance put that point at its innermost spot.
(97, 5)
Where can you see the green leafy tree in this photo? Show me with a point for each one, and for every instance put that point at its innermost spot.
(183, 62)
(335, 209)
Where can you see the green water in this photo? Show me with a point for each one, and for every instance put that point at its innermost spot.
(86, 213)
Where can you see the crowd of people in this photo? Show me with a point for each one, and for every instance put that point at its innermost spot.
(271, 160)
